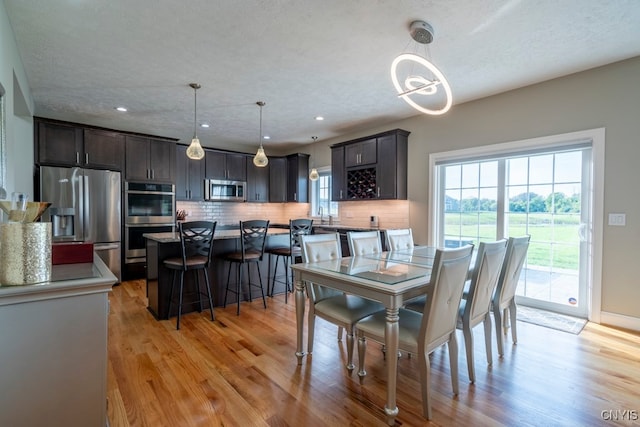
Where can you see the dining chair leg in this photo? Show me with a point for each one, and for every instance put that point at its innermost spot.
(311, 324)
(249, 281)
(227, 290)
(497, 319)
(425, 381)
(195, 272)
(513, 314)
(286, 278)
(487, 338)
(173, 284)
(180, 299)
(453, 362)
(238, 286)
(350, 340)
(208, 285)
(264, 301)
(271, 284)
(467, 332)
(362, 350)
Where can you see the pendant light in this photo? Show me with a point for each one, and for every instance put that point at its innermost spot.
(260, 159)
(425, 84)
(314, 175)
(195, 151)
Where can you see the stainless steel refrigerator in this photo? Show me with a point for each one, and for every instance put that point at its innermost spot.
(85, 207)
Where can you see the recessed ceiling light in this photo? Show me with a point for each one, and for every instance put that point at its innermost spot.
(266, 137)
(204, 125)
(122, 109)
(319, 118)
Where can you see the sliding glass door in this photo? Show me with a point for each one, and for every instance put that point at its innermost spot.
(542, 193)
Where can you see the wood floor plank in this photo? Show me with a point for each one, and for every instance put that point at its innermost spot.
(242, 370)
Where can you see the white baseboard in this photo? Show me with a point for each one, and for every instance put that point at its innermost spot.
(620, 321)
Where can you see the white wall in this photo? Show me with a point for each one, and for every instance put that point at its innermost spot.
(19, 113)
(606, 97)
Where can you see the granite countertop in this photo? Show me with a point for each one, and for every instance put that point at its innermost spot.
(347, 227)
(219, 235)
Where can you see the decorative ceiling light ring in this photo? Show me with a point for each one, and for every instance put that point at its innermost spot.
(410, 89)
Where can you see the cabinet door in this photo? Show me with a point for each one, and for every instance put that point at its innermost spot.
(215, 165)
(59, 144)
(196, 179)
(361, 153)
(392, 167)
(278, 179)
(298, 178)
(162, 160)
(137, 159)
(103, 149)
(257, 182)
(182, 173)
(338, 188)
(236, 167)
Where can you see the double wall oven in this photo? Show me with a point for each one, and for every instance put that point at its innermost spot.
(149, 208)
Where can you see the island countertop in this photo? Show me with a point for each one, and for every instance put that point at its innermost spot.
(66, 279)
(218, 235)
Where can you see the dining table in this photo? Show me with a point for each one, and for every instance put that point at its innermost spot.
(390, 278)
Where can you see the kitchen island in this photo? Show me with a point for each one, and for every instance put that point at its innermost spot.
(161, 246)
(53, 341)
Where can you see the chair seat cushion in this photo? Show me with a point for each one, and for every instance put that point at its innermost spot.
(346, 309)
(408, 326)
(196, 261)
(248, 256)
(416, 304)
(280, 251)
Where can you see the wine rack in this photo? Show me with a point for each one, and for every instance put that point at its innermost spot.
(361, 184)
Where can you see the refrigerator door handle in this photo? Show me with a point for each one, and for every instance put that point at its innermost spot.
(86, 208)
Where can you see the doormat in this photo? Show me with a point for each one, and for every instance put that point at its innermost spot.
(548, 319)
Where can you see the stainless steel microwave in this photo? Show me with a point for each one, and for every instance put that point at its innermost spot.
(226, 191)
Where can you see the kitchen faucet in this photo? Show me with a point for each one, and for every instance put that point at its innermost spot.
(321, 214)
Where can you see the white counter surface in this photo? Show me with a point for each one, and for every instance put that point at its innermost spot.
(66, 279)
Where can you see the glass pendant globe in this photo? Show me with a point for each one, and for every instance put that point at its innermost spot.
(195, 151)
(260, 159)
(314, 175)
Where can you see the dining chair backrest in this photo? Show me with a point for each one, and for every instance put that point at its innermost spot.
(253, 237)
(317, 248)
(488, 265)
(298, 228)
(364, 242)
(196, 241)
(440, 315)
(398, 239)
(514, 261)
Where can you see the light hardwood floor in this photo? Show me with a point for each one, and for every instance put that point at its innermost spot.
(242, 371)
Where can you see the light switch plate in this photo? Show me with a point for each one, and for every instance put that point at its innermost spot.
(618, 219)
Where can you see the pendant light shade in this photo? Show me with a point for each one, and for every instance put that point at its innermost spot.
(314, 175)
(195, 151)
(260, 159)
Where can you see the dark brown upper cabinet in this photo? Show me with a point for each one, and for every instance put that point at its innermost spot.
(189, 176)
(222, 165)
(150, 160)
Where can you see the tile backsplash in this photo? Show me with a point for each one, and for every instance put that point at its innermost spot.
(390, 213)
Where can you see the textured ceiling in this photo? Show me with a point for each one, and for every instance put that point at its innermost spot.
(303, 58)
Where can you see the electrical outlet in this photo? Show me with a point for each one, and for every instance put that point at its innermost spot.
(618, 219)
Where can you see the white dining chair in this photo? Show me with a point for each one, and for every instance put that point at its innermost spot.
(422, 333)
(398, 239)
(334, 306)
(364, 242)
(504, 298)
(475, 307)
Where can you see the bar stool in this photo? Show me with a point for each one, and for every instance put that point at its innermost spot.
(289, 254)
(196, 242)
(253, 236)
